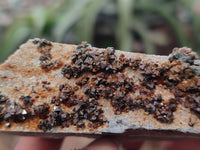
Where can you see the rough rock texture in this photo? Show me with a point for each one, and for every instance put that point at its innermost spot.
(50, 89)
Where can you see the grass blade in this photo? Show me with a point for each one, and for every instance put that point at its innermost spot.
(14, 36)
(142, 30)
(68, 18)
(124, 36)
(86, 25)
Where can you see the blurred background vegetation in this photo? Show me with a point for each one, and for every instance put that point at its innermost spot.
(149, 26)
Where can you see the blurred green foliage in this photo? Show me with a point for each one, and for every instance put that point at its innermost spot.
(125, 21)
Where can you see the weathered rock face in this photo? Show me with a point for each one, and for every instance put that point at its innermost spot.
(69, 89)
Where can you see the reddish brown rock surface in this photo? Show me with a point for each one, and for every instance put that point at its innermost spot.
(65, 89)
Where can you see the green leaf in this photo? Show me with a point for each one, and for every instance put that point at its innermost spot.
(124, 36)
(143, 31)
(86, 25)
(166, 12)
(13, 37)
(69, 18)
(39, 19)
